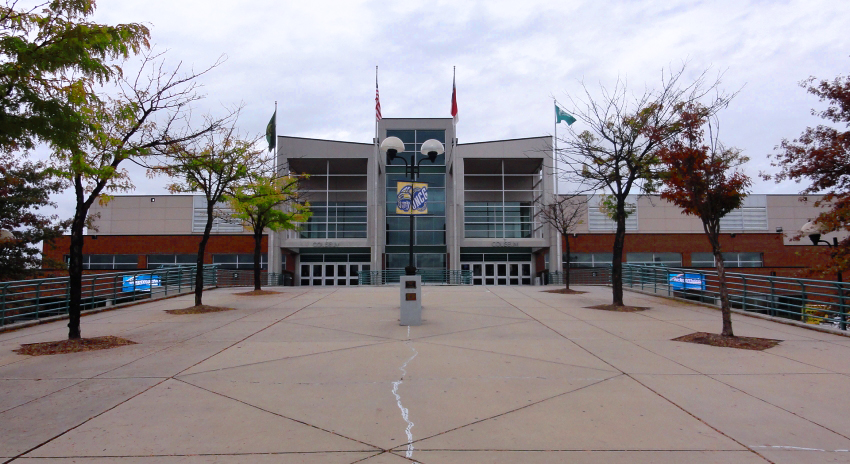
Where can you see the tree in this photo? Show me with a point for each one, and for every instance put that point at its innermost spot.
(150, 114)
(268, 201)
(213, 165)
(25, 190)
(50, 57)
(619, 151)
(821, 155)
(703, 178)
(564, 213)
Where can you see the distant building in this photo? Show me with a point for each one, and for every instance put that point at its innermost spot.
(483, 202)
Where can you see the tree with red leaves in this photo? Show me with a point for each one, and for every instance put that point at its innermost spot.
(822, 156)
(703, 178)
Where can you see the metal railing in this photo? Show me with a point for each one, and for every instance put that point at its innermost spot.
(25, 300)
(583, 276)
(807, 300)
(429, 276)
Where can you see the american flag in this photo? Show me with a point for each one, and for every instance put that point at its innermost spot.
(377, 99)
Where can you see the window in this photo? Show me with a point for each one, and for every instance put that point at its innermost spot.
(336, 219)
(430, 229)
(744, 259)
(422, 260)
(222, 217)
(103, 262)
(500, 198)
(752, 215)
(240, 261)
(599, 221)
(590, 259)
(655, 259)
(158, 261)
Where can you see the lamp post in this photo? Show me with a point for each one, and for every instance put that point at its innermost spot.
(392, 146)
(813, 232)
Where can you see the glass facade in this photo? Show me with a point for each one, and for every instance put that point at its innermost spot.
(430, 229)
(240, 261)
(499, 198)
(484, 219)
(655, 259)
(590, 259)
(336, 219)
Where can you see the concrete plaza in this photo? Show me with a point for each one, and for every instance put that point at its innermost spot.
(494, 375)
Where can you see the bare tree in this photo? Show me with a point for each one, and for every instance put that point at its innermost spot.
(564, 213)
(618, 151)
(150, 113)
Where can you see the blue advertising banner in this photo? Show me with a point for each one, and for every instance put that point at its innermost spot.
(140, 283)
(683, 281)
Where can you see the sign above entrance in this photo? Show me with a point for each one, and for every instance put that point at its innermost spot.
(411, 198)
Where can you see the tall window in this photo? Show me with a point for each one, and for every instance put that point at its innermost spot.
(336, 191)
(431, 228)
(500, 198)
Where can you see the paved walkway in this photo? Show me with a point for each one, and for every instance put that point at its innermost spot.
(494, 375)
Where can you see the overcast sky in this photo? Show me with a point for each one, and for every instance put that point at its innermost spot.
(317, 60)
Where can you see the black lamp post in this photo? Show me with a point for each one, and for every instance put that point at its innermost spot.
(813, 232)
(432, 148)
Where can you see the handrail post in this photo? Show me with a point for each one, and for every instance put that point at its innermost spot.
(804, 302)
(38, 300)
(744, 299)
(772, 297)
(842, 324)
(3, 305)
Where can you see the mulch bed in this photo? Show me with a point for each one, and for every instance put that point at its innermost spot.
(743, 343)
(619, 309)
(565, 291)
(72, 346)
(257, 293)
(199, 310)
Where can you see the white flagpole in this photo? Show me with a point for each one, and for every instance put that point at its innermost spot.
(377, 191)
(272, 256)
(555, 176)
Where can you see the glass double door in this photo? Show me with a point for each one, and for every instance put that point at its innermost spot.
(499, 273)
(316, 274)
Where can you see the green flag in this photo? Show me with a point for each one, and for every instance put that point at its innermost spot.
(271, 132)
(562, 115)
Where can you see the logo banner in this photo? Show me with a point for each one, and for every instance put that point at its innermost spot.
(140, 283)
(686, 281)
(411, 198)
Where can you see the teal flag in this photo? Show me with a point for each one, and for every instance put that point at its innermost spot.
(562, 115)
(271, 132)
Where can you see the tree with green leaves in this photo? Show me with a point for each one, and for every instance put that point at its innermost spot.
(703, 177)
(212, 165)
(268, 200)
(25, 189)
(149, 115)
(51, 56)
(821, 156)
(618, 151)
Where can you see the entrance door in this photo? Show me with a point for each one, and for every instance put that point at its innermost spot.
(331, 274)
(511, 273)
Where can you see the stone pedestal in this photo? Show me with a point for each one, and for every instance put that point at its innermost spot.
(411, 300)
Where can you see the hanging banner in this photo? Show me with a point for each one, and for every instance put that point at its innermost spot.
(682, 281)
(411, 198)
(140, 283)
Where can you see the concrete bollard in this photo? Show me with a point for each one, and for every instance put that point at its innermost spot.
(411, 300)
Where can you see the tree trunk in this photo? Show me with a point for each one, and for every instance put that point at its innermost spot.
(75, 273)
(567, 268)
(725, 307)
(617, 262)
(258, 243)
(199, 272)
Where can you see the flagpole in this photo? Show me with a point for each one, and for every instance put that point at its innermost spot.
(455, 245)
(555, 176)
(272, 256)
(375, 242)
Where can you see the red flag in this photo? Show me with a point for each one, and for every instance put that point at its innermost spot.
(454, 100)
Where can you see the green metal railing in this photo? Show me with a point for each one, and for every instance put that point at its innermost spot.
(812, 301)
(25, 300)
(429, 276)
(583, 276)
